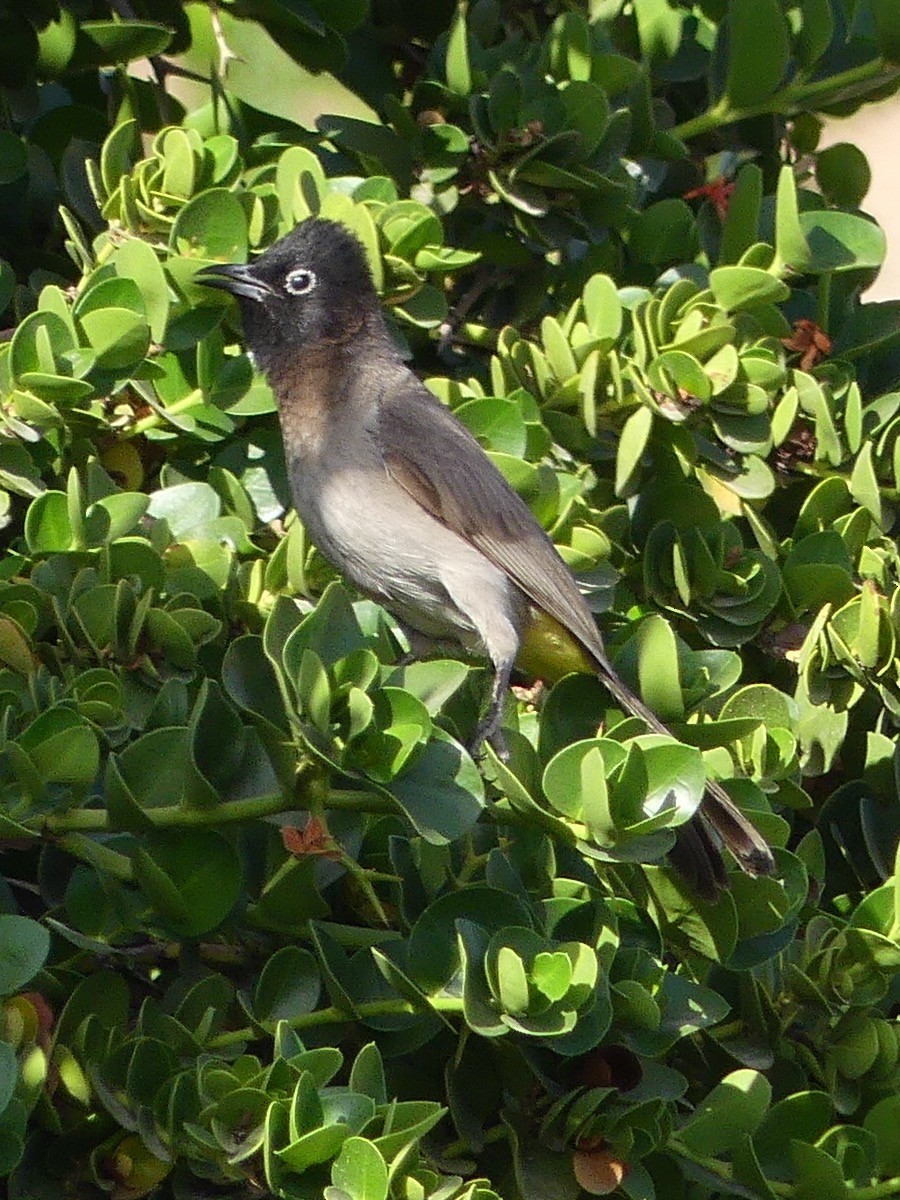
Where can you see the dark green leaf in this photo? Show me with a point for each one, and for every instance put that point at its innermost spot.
(24, 946)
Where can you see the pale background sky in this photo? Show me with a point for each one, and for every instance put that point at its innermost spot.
(876, 130)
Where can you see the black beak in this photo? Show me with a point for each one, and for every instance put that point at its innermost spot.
(232, 277)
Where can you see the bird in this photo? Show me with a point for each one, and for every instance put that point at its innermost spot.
(404, 502)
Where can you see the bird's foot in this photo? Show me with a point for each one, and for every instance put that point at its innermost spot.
(489, 730)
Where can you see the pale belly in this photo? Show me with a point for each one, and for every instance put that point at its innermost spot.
(392, 549)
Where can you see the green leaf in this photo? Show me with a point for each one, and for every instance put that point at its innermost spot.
(13, 157)
(360, 1171)
(211, 226)
(441, 792)
(117, 155)
(39, 343)
(737, 288)
(764, 703)
(709, 929)
(602, 307)
(300, 184)
(101, 996)
(136, 260)
(587, 108)
(15, 649)
(816, 31)
(9, 1076)
(756, 65)
(459, 68)
(288, 986)
(47, 527)
(664, 232)
(187, 508)
(511, 981)
(658, 668)
(331, 631)
(732, 1110)
(119, 337)
(659, 29)
(112, 517)
(805, 1116)
(840, 241)
(864, 483)
(62, 747)
(318, 1146)
(192, 876)
(887, 26)
(792, 250)
(881, 1120)
(843, 174)
(674, 369)
(632, 444)
(575, 778)
(106, 43)
(820, 1175)
(24, 946)
(179, 164)
(869, 328)
(367, 1074)
(433, 952)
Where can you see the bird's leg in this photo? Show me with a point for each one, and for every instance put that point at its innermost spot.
(488, 728)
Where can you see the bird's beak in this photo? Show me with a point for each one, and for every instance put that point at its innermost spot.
(234, 278)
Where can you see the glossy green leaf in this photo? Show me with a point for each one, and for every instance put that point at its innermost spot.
(360, 1171)
(792, 250)
(887, 25)
(192, 876)
(738, 288)
(212, 225)
(843, 174)
(459, 70)
(732, 1111)
(106, 43)
(24, 946)
(756, 65)
(119, 337)
(841, 241)
(632, 444)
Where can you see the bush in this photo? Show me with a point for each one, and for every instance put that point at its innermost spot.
(267, 928)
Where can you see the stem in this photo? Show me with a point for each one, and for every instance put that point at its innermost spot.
(823, 300)
(460, 1148)
(68, 827)
(336, 1016)
(875, 1191)
(795, 96)
(173, 816)
(95, 854)
(723, 1169)
(155, 419)
(347, 800)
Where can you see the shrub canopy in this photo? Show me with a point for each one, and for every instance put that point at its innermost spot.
(267, 928)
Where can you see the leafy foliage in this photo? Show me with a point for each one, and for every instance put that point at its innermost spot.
(267, 926)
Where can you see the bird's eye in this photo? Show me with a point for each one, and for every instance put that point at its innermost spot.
(300, 282)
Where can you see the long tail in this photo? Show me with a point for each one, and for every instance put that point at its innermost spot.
(696, 854)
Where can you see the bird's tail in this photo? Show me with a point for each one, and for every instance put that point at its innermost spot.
(719, 820)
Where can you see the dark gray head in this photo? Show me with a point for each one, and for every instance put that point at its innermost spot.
(312, 287)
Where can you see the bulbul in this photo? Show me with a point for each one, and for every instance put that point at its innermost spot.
(401, 498)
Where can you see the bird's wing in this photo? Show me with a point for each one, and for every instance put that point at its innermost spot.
(440, 464)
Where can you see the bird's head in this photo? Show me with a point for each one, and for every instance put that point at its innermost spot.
(311, 288)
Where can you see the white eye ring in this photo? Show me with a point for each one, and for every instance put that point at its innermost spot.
(300, 282)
